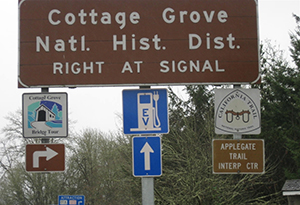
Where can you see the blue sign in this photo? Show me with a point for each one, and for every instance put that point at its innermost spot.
(146, 156)
(145, 111)
(71, 200)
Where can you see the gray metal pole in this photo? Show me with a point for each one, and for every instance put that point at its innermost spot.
(147, 182)
(147, 191)
(237, 136)
(45, 90)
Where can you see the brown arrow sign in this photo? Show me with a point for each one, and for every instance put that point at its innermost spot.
(45, 157)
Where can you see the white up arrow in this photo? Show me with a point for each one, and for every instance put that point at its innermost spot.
(49, 154)
(146, 150)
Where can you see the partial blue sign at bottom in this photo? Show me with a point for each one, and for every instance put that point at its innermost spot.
(71, 200)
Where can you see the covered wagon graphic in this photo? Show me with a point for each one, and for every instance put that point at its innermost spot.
(237, 111)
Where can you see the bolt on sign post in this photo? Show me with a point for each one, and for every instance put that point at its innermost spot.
(71, 43)
(244, 156)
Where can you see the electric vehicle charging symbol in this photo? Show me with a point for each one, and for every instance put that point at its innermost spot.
(145, 111)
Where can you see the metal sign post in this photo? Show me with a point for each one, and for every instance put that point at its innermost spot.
(148, 191)
(45, 140)
(147, 149)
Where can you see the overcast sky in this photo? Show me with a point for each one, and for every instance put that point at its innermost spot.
(100, 107)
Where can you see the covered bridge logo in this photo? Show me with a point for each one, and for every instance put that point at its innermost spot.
(45, 113)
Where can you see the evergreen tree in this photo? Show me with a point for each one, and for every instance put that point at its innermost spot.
(187, 160)
(280, 90)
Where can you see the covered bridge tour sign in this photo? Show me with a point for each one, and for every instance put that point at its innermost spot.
(154, 42)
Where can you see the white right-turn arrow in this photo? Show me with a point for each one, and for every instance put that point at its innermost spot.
(49, 154)
(146, 150)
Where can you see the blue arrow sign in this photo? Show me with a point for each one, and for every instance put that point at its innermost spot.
(146, 156)
(145, 111)
(71, 200)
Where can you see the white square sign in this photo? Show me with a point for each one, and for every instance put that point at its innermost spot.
(237, 111)
(45, 115)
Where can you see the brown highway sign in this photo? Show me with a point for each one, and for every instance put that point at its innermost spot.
(244, 156)
(45, 157)
(160, 42)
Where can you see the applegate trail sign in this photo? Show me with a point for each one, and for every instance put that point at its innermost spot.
(117, 42)
(243, 156)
